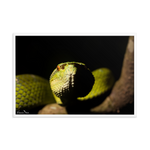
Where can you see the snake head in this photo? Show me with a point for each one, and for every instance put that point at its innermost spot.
(71, 80)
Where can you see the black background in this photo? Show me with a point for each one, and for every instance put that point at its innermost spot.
(40, 54)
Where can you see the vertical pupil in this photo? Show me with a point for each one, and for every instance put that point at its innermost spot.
(58, 68)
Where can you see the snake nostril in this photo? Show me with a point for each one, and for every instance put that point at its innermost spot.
(62, 66)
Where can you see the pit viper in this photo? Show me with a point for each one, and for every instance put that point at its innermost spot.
(69, 82)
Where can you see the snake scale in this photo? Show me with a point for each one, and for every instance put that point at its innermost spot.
(69, 82)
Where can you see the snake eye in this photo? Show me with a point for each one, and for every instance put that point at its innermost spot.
(61, 66)
(58, 68)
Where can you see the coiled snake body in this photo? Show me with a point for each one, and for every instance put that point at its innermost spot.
(69, 82)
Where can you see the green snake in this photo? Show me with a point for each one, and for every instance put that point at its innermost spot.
(69, 83)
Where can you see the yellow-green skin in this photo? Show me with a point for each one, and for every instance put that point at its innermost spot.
(104, 80)
(33, 91)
